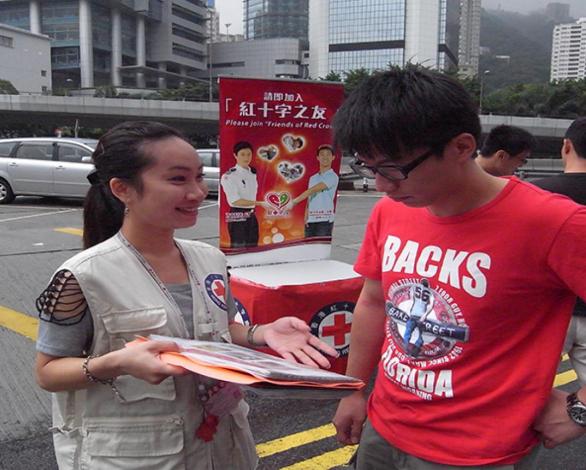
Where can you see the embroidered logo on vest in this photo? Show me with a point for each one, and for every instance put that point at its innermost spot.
(216, 290)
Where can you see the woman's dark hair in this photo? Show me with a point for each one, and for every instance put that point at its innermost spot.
(120, 153)
(404, 109)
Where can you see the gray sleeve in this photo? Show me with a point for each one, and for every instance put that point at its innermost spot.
(66, 326)
(59, 340)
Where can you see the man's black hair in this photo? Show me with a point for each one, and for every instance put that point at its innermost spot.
(242, 145)
(403, 109)
(324, 147)
(576, 133)
(511, 139)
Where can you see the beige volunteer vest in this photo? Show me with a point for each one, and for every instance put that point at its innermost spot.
(154, 428)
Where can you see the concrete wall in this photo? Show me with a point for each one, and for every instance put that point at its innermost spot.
(23, 58)
(257, 58)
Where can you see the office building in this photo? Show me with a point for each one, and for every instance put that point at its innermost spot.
(568, 54)
(213, 24)
(26, 60)
(261, 58)
(351, 34)
(266, 19)
(469, 39)
(558, 12)
(138, 43)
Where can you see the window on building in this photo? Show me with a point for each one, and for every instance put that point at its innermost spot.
(187, 52)
(43, 73)
(6, 41)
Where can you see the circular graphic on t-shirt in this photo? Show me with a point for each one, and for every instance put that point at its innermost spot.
(421, 321)
(332, 325)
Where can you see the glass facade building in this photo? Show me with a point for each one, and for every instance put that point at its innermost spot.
(122, 43)
(266, 19)
(346, 35)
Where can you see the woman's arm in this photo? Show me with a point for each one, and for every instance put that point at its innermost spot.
(57, 374)
(290, 337)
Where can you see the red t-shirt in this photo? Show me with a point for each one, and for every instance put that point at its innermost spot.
(477, 308)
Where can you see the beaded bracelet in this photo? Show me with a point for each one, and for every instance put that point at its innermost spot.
(92, 378)
(250, 335)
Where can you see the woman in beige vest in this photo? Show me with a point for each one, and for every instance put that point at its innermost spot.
(123, 408)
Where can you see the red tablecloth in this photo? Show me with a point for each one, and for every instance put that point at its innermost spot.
(326, 306)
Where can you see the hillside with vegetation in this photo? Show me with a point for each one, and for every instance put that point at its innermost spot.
(525, 39)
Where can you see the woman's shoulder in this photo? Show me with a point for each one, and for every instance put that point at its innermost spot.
(95, 252)
(199, 247)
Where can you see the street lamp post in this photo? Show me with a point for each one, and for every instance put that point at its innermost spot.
(484, 73)
(210, 75)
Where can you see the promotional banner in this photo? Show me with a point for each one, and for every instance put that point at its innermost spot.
(278, 170)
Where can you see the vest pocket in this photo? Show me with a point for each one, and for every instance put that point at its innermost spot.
(145, 443)
(122, 327)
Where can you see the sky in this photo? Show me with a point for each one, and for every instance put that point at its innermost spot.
(231, 10)
(577, 7)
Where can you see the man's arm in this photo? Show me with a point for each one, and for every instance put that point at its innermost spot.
(554, 423)
(316, 188)
(367, 336)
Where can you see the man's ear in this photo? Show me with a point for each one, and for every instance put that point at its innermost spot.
(463, 146)
(502, 155)
(567, 147)
(120, 189)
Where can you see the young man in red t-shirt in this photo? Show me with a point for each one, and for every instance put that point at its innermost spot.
(467, 380)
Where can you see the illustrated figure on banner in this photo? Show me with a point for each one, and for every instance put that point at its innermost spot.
(320, 195)
(240, 186)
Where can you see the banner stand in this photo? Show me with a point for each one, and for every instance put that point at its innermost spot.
(278, 192)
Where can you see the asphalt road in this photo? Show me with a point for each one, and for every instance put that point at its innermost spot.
(291, 433)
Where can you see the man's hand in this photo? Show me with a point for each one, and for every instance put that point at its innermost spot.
(349, 418)
(554, 424)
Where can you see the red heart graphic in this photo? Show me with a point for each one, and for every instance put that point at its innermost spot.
(277, 200)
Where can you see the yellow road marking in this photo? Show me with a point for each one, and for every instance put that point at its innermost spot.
(324, 461)
(564, 378)
(27, 326)
(20, 323)
(70, 231)
(295, 440)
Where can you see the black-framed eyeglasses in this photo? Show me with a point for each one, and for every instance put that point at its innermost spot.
(388, 170)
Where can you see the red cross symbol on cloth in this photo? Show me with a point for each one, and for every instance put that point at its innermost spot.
(338, 330)
(219, 289)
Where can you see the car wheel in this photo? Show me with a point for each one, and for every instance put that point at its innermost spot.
(6, 194)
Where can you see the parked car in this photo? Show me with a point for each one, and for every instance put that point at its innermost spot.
(211, 168)
(45, 166)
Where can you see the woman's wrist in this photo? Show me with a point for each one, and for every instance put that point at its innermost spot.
(255, 335)
(107, 366)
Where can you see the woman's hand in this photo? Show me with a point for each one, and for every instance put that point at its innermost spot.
(292, 339)
(143, 361)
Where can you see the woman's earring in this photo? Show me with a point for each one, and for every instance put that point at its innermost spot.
(126, 211)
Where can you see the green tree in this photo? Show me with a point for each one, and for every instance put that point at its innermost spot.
(355, 77)
(7, 88)
(332, 77)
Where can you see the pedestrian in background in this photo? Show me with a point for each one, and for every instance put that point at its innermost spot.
(572, 183)
(505, 149)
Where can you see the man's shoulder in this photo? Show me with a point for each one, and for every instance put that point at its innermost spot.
(229, 171)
